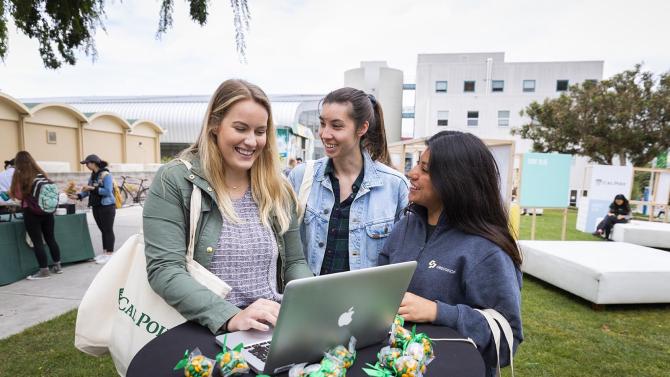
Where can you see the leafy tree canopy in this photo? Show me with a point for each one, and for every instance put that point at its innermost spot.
(63, 26)
(626, 116)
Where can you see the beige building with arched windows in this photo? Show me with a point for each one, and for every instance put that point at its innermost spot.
(59, 136)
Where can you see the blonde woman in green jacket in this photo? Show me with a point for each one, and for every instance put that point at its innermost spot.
(248, 234)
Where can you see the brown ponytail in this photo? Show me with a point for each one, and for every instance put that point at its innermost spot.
(365, 108)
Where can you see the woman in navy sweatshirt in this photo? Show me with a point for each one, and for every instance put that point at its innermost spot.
(456, 228)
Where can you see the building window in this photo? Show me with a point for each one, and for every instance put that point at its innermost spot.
(528, 86)
(497, 85)
(469, 86)
(442, 118)
(503, 118)
(561, 85)
(440, 86)
(473, 118)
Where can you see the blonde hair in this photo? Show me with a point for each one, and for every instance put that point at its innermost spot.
(270, 190)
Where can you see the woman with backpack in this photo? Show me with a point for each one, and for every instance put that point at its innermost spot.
(100, 193)
(38, 223)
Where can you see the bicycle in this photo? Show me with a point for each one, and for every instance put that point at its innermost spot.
(138, 193)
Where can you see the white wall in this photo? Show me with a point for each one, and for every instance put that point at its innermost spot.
(457, 68)
(385, 84)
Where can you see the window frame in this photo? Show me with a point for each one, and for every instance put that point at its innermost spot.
(509, 113)
(446, 86)
(567, 85)
(475, 118)
(442, 119)
(527, 90)
(501, 89)
(474, 86)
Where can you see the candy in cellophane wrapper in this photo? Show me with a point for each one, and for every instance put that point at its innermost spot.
(427, 346)
(407, 366)
(231, 362)
(400, 336)
(388, 355)
(195, 364)
(346, 356)
(303, 370)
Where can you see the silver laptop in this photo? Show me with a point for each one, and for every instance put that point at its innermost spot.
(324, 311)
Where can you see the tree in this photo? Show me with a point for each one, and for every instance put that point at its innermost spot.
(63, 26)
(626, 116)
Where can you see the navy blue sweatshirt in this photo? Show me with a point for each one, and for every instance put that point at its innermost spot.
(460, 272)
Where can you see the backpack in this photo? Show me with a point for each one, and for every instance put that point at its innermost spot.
(44, 196)
(118, 199)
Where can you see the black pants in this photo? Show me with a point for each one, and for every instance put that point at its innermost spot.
(608, 223)
(36, 227)
(104, 217)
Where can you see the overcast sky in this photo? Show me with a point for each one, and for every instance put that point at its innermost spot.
(303, 47)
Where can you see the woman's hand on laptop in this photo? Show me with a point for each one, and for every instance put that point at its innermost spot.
(255, 316)
(415, 308)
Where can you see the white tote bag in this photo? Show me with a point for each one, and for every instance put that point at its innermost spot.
(120, 312)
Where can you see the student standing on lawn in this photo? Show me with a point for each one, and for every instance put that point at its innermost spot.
(100, 193)
(356, 196)
(37, 225)
(457, 230)
(248, 233)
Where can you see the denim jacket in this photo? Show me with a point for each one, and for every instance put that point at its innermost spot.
(104, 188)
(377, 206)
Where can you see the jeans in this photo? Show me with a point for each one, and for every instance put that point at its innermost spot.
(36, 227)
(104, 218)
(608, 223)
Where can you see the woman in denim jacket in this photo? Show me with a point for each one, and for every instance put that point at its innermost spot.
(100, 193)
(355, 198)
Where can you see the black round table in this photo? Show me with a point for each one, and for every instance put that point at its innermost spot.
(160, 355)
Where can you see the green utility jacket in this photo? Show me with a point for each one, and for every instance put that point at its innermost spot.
(166, 223)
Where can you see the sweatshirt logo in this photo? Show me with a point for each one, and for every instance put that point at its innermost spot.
(433, 264)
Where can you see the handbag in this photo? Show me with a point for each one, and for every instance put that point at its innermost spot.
(120, 312)
(496, 322)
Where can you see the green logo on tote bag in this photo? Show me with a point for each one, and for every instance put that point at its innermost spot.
(143, 320)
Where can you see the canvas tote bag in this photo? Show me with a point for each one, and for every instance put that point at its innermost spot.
(120, 312)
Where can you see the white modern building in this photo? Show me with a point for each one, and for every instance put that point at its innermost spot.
(386, 84)
(483, 94)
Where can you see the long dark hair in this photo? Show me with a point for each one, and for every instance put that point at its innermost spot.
(466, 177)
(625, 205)
(365, 108)
(26, 171)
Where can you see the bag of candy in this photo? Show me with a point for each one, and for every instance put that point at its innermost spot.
(195, 364)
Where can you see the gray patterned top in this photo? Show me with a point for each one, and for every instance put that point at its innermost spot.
(246, 256)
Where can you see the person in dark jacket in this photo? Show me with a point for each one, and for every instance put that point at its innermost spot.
(456, 229)
(619, 213)
(100, 193)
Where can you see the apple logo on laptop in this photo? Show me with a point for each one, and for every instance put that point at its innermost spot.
(346, 317)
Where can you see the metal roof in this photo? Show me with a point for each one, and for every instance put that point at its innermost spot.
(181, 116)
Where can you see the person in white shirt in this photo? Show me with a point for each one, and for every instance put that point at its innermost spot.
(6, 181)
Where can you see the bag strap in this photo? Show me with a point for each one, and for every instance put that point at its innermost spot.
(305, 188)
(496, 321)
(196, 203)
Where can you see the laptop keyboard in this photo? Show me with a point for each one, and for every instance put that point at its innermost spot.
(260, 350)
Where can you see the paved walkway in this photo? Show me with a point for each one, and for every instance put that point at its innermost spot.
(27, 303)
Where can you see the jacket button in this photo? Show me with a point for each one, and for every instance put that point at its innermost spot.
(191, 176)
(210, 250)
(325, 211)
(320, 244)
(209, 189)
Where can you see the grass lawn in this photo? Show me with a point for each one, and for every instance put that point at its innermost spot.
(563, 335)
